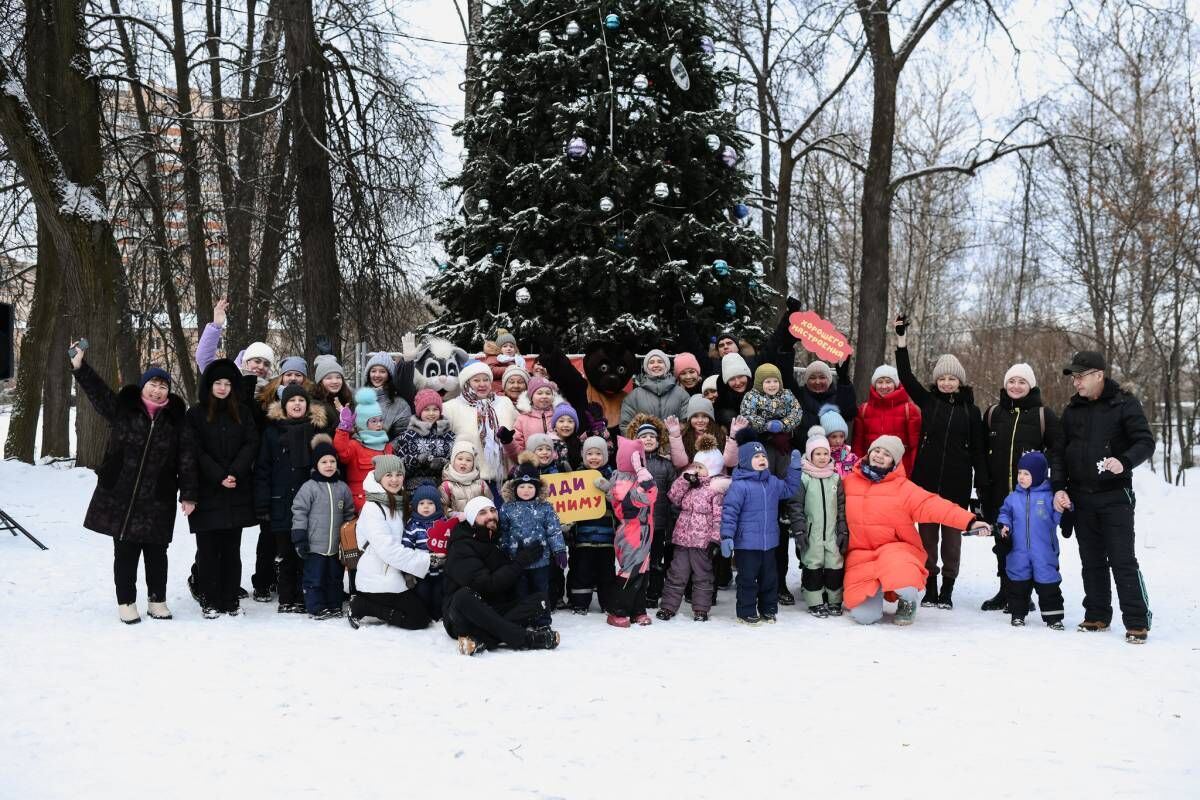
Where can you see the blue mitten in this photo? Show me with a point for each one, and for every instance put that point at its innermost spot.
(795, 462)
(727, 548)
(774, 426)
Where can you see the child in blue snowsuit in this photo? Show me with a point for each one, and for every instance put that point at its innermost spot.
(527, 518)
(1029, 520)
(750, 526)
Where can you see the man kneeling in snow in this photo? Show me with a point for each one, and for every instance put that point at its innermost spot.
(480, 608)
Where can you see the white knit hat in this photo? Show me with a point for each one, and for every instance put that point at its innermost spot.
(655, 352)
(259, 350)
(516, 370)
(1021, 371)
(474, 506)
(733, 366)
(818, 367)
(710, 384)
(885, 371)
(470, 370)
(949, 365)
(708, 456)
(891, 444)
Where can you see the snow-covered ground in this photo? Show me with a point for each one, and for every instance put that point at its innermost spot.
(268, 706)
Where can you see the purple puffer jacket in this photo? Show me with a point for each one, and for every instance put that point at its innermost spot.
(699, 521)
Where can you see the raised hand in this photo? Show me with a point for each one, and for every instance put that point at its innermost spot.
(219, 310)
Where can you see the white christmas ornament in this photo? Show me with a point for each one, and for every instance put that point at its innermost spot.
(661, 191)
(641, 83)
(483, 205)
(679, 73)
(713, 141)
(635, 116)
(544, 38)
(572, 29)
(462, 261)
(523, 296)
(498, 99)
(698, 299)
(606, 204)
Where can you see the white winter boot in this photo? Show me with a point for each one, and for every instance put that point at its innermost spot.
(128, 613)
(158, 611)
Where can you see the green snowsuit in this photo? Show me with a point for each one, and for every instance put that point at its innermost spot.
(818, 517)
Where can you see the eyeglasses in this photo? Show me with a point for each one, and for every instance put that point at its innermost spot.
(1078, 375)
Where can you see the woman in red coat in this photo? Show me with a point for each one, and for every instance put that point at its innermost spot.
(888, 412)
(883, 508)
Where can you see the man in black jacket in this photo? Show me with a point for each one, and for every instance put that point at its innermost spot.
(1105, 435)
(480, 609)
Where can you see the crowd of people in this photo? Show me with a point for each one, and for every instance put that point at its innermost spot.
(715, 465)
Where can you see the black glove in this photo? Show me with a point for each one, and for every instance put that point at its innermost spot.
(843, 371)
(793, 304)
(712, 549)
(843, 542)
(437, 464)
(529, 554)
(324, 345)
(505, 435)
(692, 478)
(902, 325)
(975, 507)
(1068, 523)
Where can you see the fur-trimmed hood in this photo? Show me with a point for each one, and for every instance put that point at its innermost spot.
(664, 444)
(317, 414)
(508, 492)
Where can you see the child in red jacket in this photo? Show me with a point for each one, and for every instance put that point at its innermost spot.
(360, 438)
(888, 412)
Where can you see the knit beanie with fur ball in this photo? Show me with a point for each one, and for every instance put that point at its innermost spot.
(424, 399)
(949, 365)
(816, 438)
(708, 456)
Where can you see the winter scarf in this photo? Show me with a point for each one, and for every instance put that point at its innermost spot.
(153, 408)
(376, 440)
(485, 415)
(810, 469)
(876, 474)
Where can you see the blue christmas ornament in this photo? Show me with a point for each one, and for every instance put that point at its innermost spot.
(498, 251)
(721, 267)
(619, 241)
(730, 307)
(442, 267)
(612, 22)
(706, 45)
(741, 210)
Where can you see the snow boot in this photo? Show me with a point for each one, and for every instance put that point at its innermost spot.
(643, 620)
(700, 616)
(542, 639)
(236, 611)
(1056, 625)
(580, 611)
(768, 619)
(751, 621)
(998, 601)
(158, 610)
(946, 597)
(128, 613)
(1017, 622)
(930, 600)
(242, 594)
(820, 611)
(195, 590)
(905, 611)
(618, 622)
(1136, 635)
(664, 615)
(209, 612)
(353, 620)
(1092, 626)
(786, 598)
(262, 595)
(835, 609)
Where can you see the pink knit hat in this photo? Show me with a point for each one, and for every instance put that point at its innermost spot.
(426, 398)
(538, 382)
(685, 361)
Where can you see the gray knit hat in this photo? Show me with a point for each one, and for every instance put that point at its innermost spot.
(595, 443)
(326, 365)
(697, 404)
(503, 337)
(655, 352)
(294, 364)
(891, 444)
(949, 365)
(385, 464)
(538, 440)
(733, 366)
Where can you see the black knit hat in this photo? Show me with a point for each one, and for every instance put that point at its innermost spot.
(527, 473)
(293, 390)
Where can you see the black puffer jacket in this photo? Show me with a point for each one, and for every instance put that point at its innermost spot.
(284, 462)
(839, 394)
(1013, 428)
(225, 446)
(474, 560)
(146, 463)
(1113, 425)
(952, 447)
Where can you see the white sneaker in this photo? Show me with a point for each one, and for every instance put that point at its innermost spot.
(158, 611)
(128, 613)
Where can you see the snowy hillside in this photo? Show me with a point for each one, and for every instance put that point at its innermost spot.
(269, 706)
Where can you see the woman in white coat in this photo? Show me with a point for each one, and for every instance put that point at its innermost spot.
(486, 420)
(382, 591)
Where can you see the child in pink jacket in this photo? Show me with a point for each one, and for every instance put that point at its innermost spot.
(697, 493)
(537, 411)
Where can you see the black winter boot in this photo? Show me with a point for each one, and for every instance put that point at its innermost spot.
(999, 601)
(946, 597)
(931, 592)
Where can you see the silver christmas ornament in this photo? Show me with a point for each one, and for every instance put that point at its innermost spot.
(661, 191)
(498, 99)
(606, 204)
(698, 299)
(483, 205)
(544, 38)
(641, 83)
(462, 261)
(523, 296)
(572, 29)
(713, 141)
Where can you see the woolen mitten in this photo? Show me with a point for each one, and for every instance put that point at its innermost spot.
(727, 547)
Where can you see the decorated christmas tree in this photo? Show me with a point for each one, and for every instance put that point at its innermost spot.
(602, 184)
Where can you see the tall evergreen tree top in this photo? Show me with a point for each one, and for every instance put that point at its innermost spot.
(582, 106)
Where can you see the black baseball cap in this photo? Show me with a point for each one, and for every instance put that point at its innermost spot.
(1084, 361)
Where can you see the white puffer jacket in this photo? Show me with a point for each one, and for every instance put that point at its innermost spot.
(381, 565)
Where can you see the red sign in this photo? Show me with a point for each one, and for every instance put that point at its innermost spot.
(819, 337)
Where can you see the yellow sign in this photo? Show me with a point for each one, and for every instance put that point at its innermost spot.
(574, 495)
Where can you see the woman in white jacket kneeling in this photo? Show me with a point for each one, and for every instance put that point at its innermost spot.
(383, 591)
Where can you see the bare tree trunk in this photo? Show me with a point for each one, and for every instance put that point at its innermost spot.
(314, 193)
(35, 353)
(189, 151)
(279, 198)
(56, 395)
